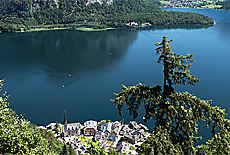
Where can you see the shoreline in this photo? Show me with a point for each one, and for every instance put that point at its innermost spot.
(44, 29)
(202, 8)
(78, 29)
(95, 30)
(90, 29)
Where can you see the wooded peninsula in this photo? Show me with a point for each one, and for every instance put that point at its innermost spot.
(24, 15)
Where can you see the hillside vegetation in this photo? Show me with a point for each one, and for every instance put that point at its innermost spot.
(19, 136)
(226, 5)
(210, 4)
(22, 15)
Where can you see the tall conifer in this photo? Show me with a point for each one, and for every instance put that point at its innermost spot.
(176, 114)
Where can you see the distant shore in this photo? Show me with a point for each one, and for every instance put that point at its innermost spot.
(44, 29)
(79, 29)
(90, 29)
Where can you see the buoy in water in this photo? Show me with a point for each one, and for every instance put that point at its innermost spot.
(63, 86)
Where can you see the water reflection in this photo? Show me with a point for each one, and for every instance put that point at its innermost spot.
(68, 51)
(164, 27)
(76, 54)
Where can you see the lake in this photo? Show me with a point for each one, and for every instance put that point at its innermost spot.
(47, 72)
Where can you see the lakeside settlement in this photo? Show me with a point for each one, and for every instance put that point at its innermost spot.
(123, 138)
(199, 4)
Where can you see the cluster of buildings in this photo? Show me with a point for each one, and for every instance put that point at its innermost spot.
(111, 135)
(135, 24)
(183, 3)
(191, 3)
(107, 2)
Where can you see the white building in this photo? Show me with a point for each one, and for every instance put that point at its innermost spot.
(90, 127)
(71, 128)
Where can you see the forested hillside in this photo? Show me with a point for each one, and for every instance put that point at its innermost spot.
(19, 136)
(21, 15)
(226, 5)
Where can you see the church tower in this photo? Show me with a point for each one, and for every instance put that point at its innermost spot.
(65, 124)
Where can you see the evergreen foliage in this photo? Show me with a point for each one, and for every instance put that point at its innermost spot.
(226, 5)
(65, 150)
(71, 150)
(176, 114)
(17, 15)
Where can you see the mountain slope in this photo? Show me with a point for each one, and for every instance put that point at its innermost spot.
(29, 14)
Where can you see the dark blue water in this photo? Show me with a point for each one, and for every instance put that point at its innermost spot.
(92, 66)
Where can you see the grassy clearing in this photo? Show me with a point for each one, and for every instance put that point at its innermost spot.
(90, 29)
(165, 2)
(211, 6)
(34, 30)
(80, 29)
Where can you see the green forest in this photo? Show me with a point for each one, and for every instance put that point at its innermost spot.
(226, 5)
(23, 15)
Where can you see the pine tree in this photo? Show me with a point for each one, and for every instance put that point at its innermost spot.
(176, 114)
(71, 150)
(65, 150)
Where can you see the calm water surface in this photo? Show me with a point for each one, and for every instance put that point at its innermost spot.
(92, 66)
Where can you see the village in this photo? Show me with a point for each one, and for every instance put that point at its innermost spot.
(122, 138)
(200, 4)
